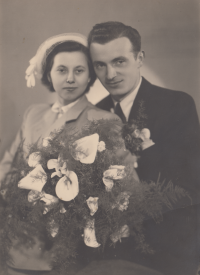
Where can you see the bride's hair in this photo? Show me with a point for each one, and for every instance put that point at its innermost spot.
(68, 46)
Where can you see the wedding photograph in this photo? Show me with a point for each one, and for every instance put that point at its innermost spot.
(99, 137)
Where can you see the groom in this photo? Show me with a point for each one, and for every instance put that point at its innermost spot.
(173, 151)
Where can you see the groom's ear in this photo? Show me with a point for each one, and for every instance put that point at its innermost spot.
(140, 58)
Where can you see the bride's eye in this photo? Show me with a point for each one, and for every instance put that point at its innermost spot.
(61, 70)
(79, 71)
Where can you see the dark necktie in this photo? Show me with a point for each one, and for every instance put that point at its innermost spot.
(119, 112)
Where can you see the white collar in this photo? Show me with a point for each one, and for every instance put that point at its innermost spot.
(61, 109)
(127, 102)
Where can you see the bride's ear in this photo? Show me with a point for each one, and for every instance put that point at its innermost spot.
(49, 78)
(89, 79)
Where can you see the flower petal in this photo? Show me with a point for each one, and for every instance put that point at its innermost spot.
(53, 228)
(34, 159)
(122, 233)
(32, 80)
(49, 202)
(52, 163)
(101, 146)
(145, 134)
(34, 195)
(67, 188)
(89, 235)
(108, 183)
(45, 141)
(115, 172)
(63, 210)
(64, 168)
(92, 204)
(57, 173)
(49, 199)
(86, 149)
(28, 83)
(35, 180)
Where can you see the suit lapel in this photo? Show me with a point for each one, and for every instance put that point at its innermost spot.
(106, 104)
(110, 104)
(70, 115)
(141, 97)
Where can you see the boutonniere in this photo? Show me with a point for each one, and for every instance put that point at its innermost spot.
(144, 135)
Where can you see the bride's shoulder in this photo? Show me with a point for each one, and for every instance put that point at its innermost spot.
(94, 113)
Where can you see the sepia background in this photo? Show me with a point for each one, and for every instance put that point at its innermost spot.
(170, 39)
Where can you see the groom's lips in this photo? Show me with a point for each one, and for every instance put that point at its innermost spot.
(113, 83)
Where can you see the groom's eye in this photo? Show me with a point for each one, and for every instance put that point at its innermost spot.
(119, 62)
(99, 66)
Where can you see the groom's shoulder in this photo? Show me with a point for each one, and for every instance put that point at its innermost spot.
(164, 95)
(105, 103)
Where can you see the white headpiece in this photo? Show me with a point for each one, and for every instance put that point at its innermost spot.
(37, 63)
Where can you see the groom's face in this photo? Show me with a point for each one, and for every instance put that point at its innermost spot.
(116, 66)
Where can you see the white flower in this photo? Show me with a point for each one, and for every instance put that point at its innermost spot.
(92, 204)
(34, 159)
(115, 172)
(122, 201)
(3, 192)
(101, 146)
(50, 201)
(108, 183)
(85, 149)
(62, 209)
(30, 73)
(56, 163)
(35, 180)
(89, 235)
(144, 135)
(67, 188)
(53, 228)
(122, 233)
(34, 195)
(45, 141)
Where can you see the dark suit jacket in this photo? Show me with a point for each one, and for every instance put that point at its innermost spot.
(173, 122)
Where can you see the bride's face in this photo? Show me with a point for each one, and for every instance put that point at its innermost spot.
(69, 76)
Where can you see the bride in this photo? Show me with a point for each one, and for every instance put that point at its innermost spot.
(63, 65)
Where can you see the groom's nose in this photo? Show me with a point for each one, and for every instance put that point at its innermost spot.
(111, 73)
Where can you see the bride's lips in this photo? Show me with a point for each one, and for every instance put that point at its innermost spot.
(114, 83)
(70, 89)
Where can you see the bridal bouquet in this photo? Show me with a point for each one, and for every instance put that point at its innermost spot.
(76, 188)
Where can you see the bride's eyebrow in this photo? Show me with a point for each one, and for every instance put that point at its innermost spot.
(80, 66)
(61, 66)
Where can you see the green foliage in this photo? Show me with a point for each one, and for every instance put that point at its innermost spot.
(24, 220)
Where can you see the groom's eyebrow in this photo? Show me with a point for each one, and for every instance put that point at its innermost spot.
(95, 63)
(98, 62)
(118, 58)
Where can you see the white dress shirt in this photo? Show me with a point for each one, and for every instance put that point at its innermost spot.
(127, 102)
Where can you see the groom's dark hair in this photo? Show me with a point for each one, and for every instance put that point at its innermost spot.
(105, 32)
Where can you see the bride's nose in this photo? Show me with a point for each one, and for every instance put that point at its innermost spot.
(70, 78)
